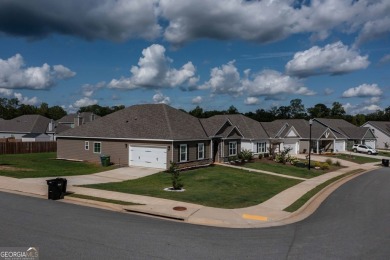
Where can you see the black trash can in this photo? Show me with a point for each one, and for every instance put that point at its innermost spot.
(56, 188)
(385, 162)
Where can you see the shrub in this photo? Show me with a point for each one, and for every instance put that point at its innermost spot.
(317, 164)
(261, 156)
(233, 158)
(337, 163)
(329, 161)
(245, 155)
(266, 155)
(175, 176)
(324, 166)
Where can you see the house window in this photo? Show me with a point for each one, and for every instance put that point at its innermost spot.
(200, 151)
(232, 148)
(183, 153)
(86, 145)
(261, 147)
(97, 147)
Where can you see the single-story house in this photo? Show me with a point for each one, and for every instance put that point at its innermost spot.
(150, 135)
(352, 133)
(381, 130)
(35, 137)
(252, 134)
(74, 120)
(23, 125)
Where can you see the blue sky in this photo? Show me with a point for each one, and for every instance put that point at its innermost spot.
(250, 54)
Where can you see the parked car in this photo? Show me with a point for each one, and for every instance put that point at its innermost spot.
(362, 148)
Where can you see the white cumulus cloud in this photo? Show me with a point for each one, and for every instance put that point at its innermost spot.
(251, 101)
(14, 74)
(154, 71)
(5, 92)
(89, 89)
(332, 59)
(161, 98)
(197, 100)
(83, 102)
(364, 90)
(25, 100)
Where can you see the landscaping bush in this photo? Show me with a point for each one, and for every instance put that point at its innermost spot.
(317, 164)
(260, 156)
(337, 163)
(266, 155)
(175, 176)
(245, 155)
(324, 166)
(329, 161)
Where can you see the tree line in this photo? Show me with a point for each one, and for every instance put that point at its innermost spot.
(297, 110)
(11, 108)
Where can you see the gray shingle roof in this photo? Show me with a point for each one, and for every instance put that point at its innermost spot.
(150, 121)
(249, 128)
(343, 128)
(273, 128)
(25, 124)
(384, 126)
(69, 119)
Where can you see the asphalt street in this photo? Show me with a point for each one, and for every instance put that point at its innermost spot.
(353, 223)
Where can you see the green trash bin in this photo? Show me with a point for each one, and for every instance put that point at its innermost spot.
(105, 160)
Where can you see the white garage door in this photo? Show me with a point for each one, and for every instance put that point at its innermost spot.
(370, 143)
(339, 146)
(291, 144)
(154, 157)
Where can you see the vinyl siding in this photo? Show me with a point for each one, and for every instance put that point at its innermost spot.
(74, 149)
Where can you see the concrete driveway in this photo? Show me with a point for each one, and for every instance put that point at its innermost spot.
(116, 175)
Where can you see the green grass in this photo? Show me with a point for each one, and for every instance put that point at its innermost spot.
(214, 186)
(289, 169)
(353, 157)
(381, 153)
(35, 165)
(120, 202)
(307, 196)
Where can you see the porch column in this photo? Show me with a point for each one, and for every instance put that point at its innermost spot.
(318, 146)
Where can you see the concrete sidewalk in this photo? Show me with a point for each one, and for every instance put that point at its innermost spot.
(268, 213)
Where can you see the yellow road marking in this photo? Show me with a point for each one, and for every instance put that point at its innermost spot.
(254, 217)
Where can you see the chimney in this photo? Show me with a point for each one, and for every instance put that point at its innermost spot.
(51, 125)
(78, 120)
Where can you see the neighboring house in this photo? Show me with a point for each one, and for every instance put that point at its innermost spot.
(36, 137)
(296, 135)
(25, 127)
(151, 135)
(73, 120)
(352, 133)
(381, 130)
(251, 132)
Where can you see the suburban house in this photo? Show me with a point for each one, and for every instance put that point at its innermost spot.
(151, 135)
(381, 130)
(252, 134)
(352, 133)
(73, 120)
(25, 128)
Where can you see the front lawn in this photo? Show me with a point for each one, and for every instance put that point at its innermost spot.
(35, 165)
(353, 157)
(288, 169)
(214, 186)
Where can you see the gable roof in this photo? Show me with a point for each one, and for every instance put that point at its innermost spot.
(25, 124)
(249, 128)
(274, 128)
(344, 128)
(383, 126)
(149, 121)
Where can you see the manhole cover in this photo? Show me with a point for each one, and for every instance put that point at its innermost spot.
(180, 208)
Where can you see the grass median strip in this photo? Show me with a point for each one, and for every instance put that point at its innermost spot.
(120, 202)
(307, 196)
(353, 157)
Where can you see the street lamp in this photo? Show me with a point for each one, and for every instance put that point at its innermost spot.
(310, 123)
